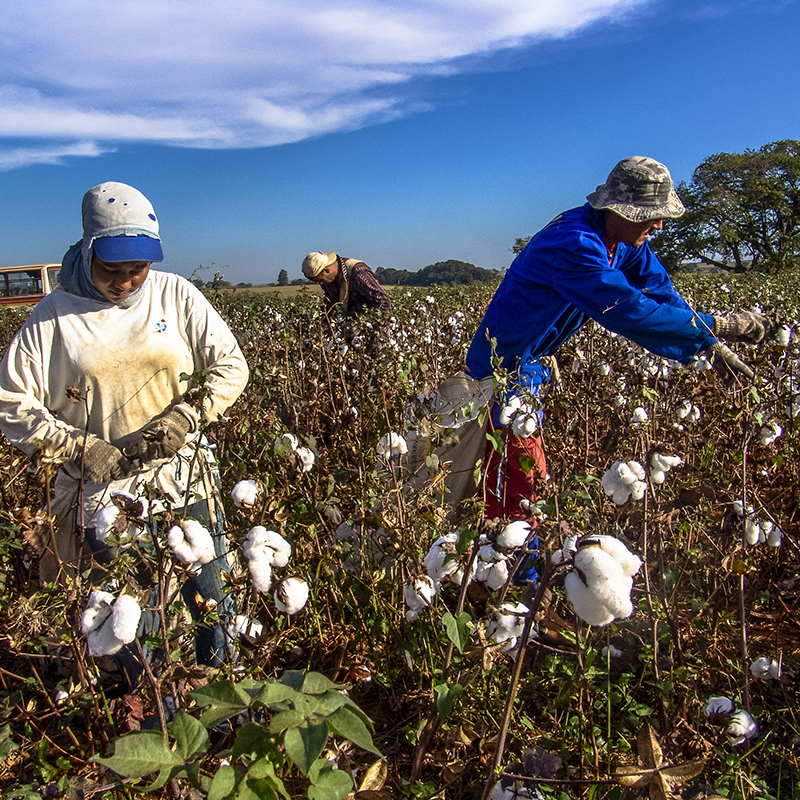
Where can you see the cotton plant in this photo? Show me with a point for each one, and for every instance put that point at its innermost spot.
(601, 579)
(764, 667)
(192, 544)
(122, 517)
(264, 551)
(522, 417)
(661, 464)
(756, 530)
(109, 623)
(624, 480)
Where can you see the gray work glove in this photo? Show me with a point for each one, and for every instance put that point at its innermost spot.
(162, 437)
(102, 462)
(746, 326)
(727, 364)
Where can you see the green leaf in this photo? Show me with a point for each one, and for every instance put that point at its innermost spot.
(258, 789)
(457, 629)
(224, 700)
(304, 744)
(332, 700)
(140, 753)
(446, 697)
(293, 678)
(264, 769)
(275, 695)
(328, 783)
(348, 725)
(251, 739)
(526, 463)
(496, 440)
(285, 719)
(224, 783)
(308, 705)
(7, 744)
(191, 738)
(315, 683)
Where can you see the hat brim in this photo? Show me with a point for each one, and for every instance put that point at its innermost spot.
(672, 209)
(128, 248)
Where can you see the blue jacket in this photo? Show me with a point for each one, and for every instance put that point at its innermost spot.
(563, 278)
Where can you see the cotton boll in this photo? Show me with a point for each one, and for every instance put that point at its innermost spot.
(281, 549)
(103, 642)
(775, 537)
(769, 433)
(514, 535)
(98, 608)
(775, 669)
(441, 560)
(498, 575)
(524, 425)
(760, 667)
(585, 603)
(783, 335)
(657, 476)
(104, 522)
(261, 573)
(639, 415)
(506, 623)
(742, 727)
(305, 459)
(752, 530)
(610, 652)
(291, 595)
(630, 563)
(125, 618)
(719, 705)
(621, 496)
(392, 444)
(201, 541)
(638, 489)
(245, 626)
(418, 594)
(684, 409)
(288, 441)
(637, 470)
(245, 494)
(510, 409)
(620, 401)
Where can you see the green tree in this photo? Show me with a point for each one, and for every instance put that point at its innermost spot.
(283, 278)
(742, 211)
(519, 244)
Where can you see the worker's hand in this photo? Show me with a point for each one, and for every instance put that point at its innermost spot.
(727, 364)
(102, 462)
(746, 326)
(162, 437)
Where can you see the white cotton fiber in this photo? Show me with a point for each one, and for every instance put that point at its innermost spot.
(585, 603)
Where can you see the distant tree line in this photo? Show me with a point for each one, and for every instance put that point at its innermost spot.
(447, 273)
(742, 213)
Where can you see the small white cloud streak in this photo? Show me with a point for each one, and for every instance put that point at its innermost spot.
(248, 72)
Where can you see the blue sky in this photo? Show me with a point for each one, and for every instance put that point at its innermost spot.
(399, 132)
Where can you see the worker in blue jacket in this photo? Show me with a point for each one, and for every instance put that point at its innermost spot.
(593, 262)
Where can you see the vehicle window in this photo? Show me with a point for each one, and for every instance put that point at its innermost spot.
(20, 284)
(54, 277)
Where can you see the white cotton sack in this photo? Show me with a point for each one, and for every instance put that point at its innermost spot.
(291, 595)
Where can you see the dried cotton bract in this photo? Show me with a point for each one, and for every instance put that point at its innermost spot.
(624, 480)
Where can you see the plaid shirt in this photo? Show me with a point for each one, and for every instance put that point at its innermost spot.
(356, 288)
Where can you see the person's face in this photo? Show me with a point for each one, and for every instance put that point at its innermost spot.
(118, 279)
(328, 273)
(634, 234)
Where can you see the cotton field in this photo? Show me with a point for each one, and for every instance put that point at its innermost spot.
(662, 588)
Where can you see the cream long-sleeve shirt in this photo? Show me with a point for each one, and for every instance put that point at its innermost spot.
(126, 362)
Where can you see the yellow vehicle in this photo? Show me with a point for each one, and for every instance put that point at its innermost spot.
(28, 284)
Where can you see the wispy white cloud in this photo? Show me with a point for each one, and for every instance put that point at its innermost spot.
(243, 73)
